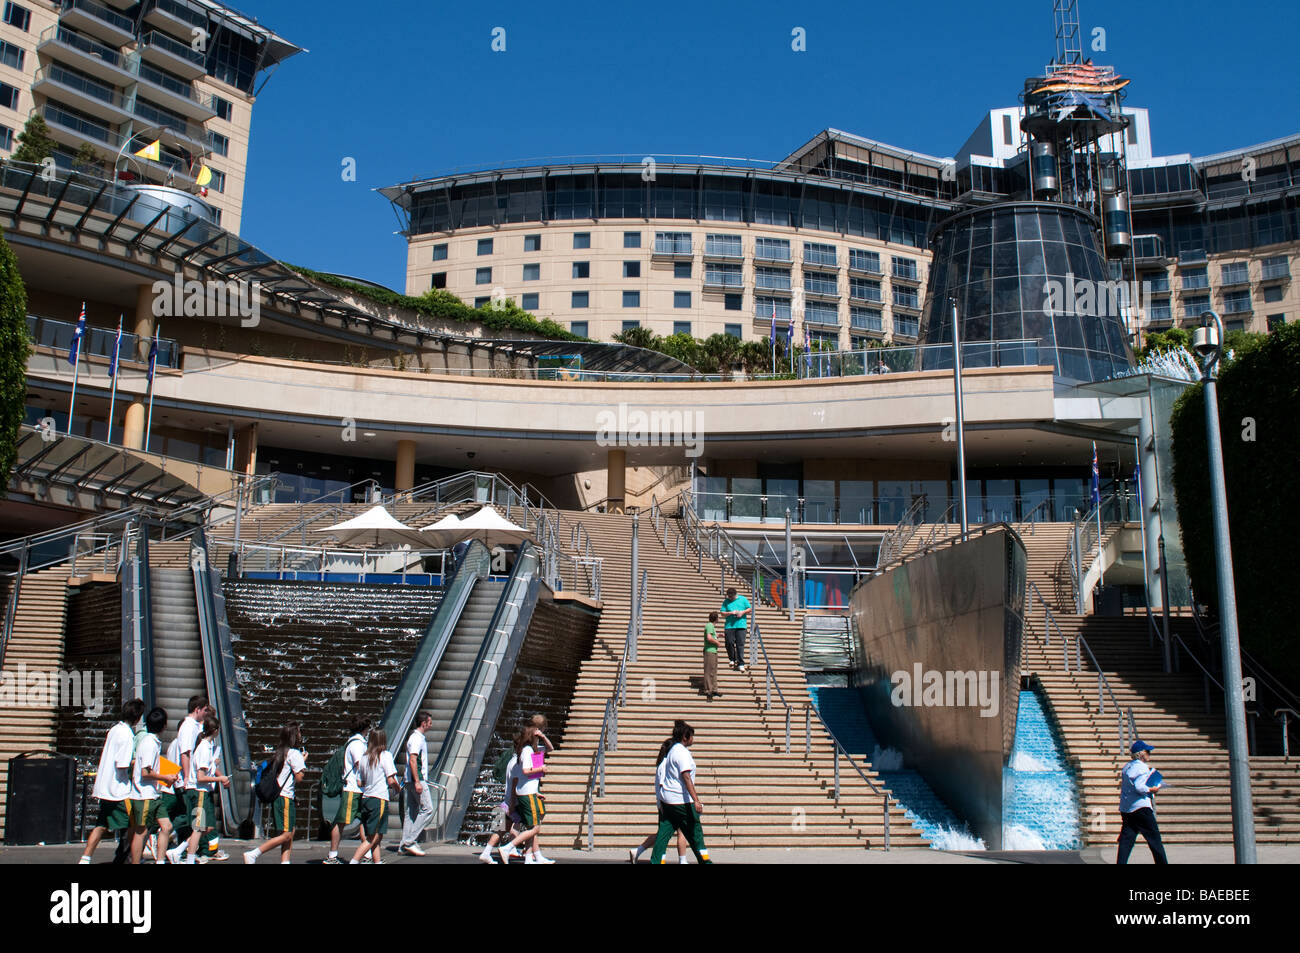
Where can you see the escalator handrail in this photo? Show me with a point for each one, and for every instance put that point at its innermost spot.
(409, 694)
(520, 576)
(149, 688)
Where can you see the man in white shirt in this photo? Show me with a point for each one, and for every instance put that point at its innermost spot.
(679, 804)
(113, 779)
(1136, 808)
(349, 813)
(145, 780)
(419, 797)
(207, 775)
(180, 807)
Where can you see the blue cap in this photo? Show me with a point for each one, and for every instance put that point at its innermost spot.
(1139, 745)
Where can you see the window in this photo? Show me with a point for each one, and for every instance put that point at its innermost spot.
(530, 301)
(578, 327)
(582, 269)
(1273, 294)
(734, 302)
(532, 272)
(732, 330)
(904, 268)
(820, 283)
(582, 239)
(218, 182)
(1194, 306)
(439, 280)
(1006, 130)
(483, 276)
(1234, 273)
(440, 252)
(724, 246)
(772, 249)
(223, 108)
(12, 56)
(631, 239)
(772, 279)
(681, 269)
(485, 246)
(718, 275)
(1156, 282)
(868, 261)
(1195, 278)
(815, 253)
(578, 300)
(906, 298)
(1275, 267)
(532, 243)
(682, 327)
(906, 327)
(8, 96)
(1160, 310)
(681, 299)
(220, 144)
(629, 325)
(865, 319)
(1132, 132)
(864, 289)
(18, 16)
(631, 269)
(817, 313)
(765, 307)
(482, 302)
(1236, 302)
(6, 137)
(672, 243)
(631, 299)
(1275, 321)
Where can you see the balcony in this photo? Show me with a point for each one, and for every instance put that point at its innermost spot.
(820, 257)
(901, 272)
(1237, 304)
(862, 291)
(820, 286)
(673, 247)
(98, 20)
(173, 93)
(725, 280)
(1276, 270)
(763, 311)
(724, 249)
(907, 302)
(176, 18)
(873, 323)
(172, 55)
(777, 253)
(1197, 282)
(864, 265)
(1149, 250)
(74, 131)
(822, 319)
(187, 133)
(906, 327)
(85, 54)
(1236, 275)
(96, 99)
(778, 284)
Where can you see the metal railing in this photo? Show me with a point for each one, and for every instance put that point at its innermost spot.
(1126, 726)
(720, 546)
(756, 647)
(892, 546)
(1088, 531)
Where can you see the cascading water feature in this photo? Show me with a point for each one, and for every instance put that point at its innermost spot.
(1040, 800)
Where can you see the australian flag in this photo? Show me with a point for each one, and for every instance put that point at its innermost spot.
(74, 349)
(153, 357)
(117, 348)
(1096, 477)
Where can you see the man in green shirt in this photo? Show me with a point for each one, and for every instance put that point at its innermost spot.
(736, 610)
(711, 644)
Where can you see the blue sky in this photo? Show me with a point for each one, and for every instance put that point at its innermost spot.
(424, 91)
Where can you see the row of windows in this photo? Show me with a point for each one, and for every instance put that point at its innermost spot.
(716, 274)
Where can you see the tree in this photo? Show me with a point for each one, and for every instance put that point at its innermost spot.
(720, 352)
(638, 337)
(1168, 340)
(88, 160)
(34, 142)
(15, 347)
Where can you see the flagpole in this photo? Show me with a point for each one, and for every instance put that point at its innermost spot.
(112, 400)
(153, 358)
(76, 365)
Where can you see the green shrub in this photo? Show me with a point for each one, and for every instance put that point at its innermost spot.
(15, 347)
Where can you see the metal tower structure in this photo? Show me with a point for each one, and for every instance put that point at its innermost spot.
(1068, 49)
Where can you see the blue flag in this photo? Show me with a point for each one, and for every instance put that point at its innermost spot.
(153, 356)
(117, 347)
(74, 349)
(1096, 477)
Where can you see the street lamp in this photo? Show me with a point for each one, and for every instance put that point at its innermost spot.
(1208, 344)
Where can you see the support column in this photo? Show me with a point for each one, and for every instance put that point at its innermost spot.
(1151, 524)
(616, 480)
(144, 322)
(405, 477)
(245, 455)
(133, 426)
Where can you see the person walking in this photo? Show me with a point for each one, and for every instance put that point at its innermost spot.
(711, 645)
(735, 612)
(207, 775)
(181, 751)
(1137, 806)
(350, 799)
(145, 779)
(378, 775)
(634, 853)
(527, 780)
(289, 765)
(113, 780)
(679, 802)
(419, 797)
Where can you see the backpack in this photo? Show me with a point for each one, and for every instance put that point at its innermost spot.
(331, 776)
(265, 783)
(501, 768)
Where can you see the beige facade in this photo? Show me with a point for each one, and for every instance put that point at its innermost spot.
(725, 290)
(103, 71)
(1251, 289)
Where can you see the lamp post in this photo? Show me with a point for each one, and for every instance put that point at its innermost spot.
(1208, 343)
(961, 418)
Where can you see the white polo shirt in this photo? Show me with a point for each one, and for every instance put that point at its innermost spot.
(113, 780)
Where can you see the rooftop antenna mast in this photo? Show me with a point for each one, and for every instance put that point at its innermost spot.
(1068, 50)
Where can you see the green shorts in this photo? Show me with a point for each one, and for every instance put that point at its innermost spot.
(198, 805)
(284, 815)
(349, 805)
(531, 810)
(114, 815)
(171, 807)
(374, 816)
(141, 811)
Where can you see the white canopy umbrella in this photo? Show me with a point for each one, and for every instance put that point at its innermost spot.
(443, 533)
(376, 528)
(486, 525)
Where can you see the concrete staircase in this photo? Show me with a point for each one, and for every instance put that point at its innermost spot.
(36, 645)
(754, 794)
(1169, 712)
